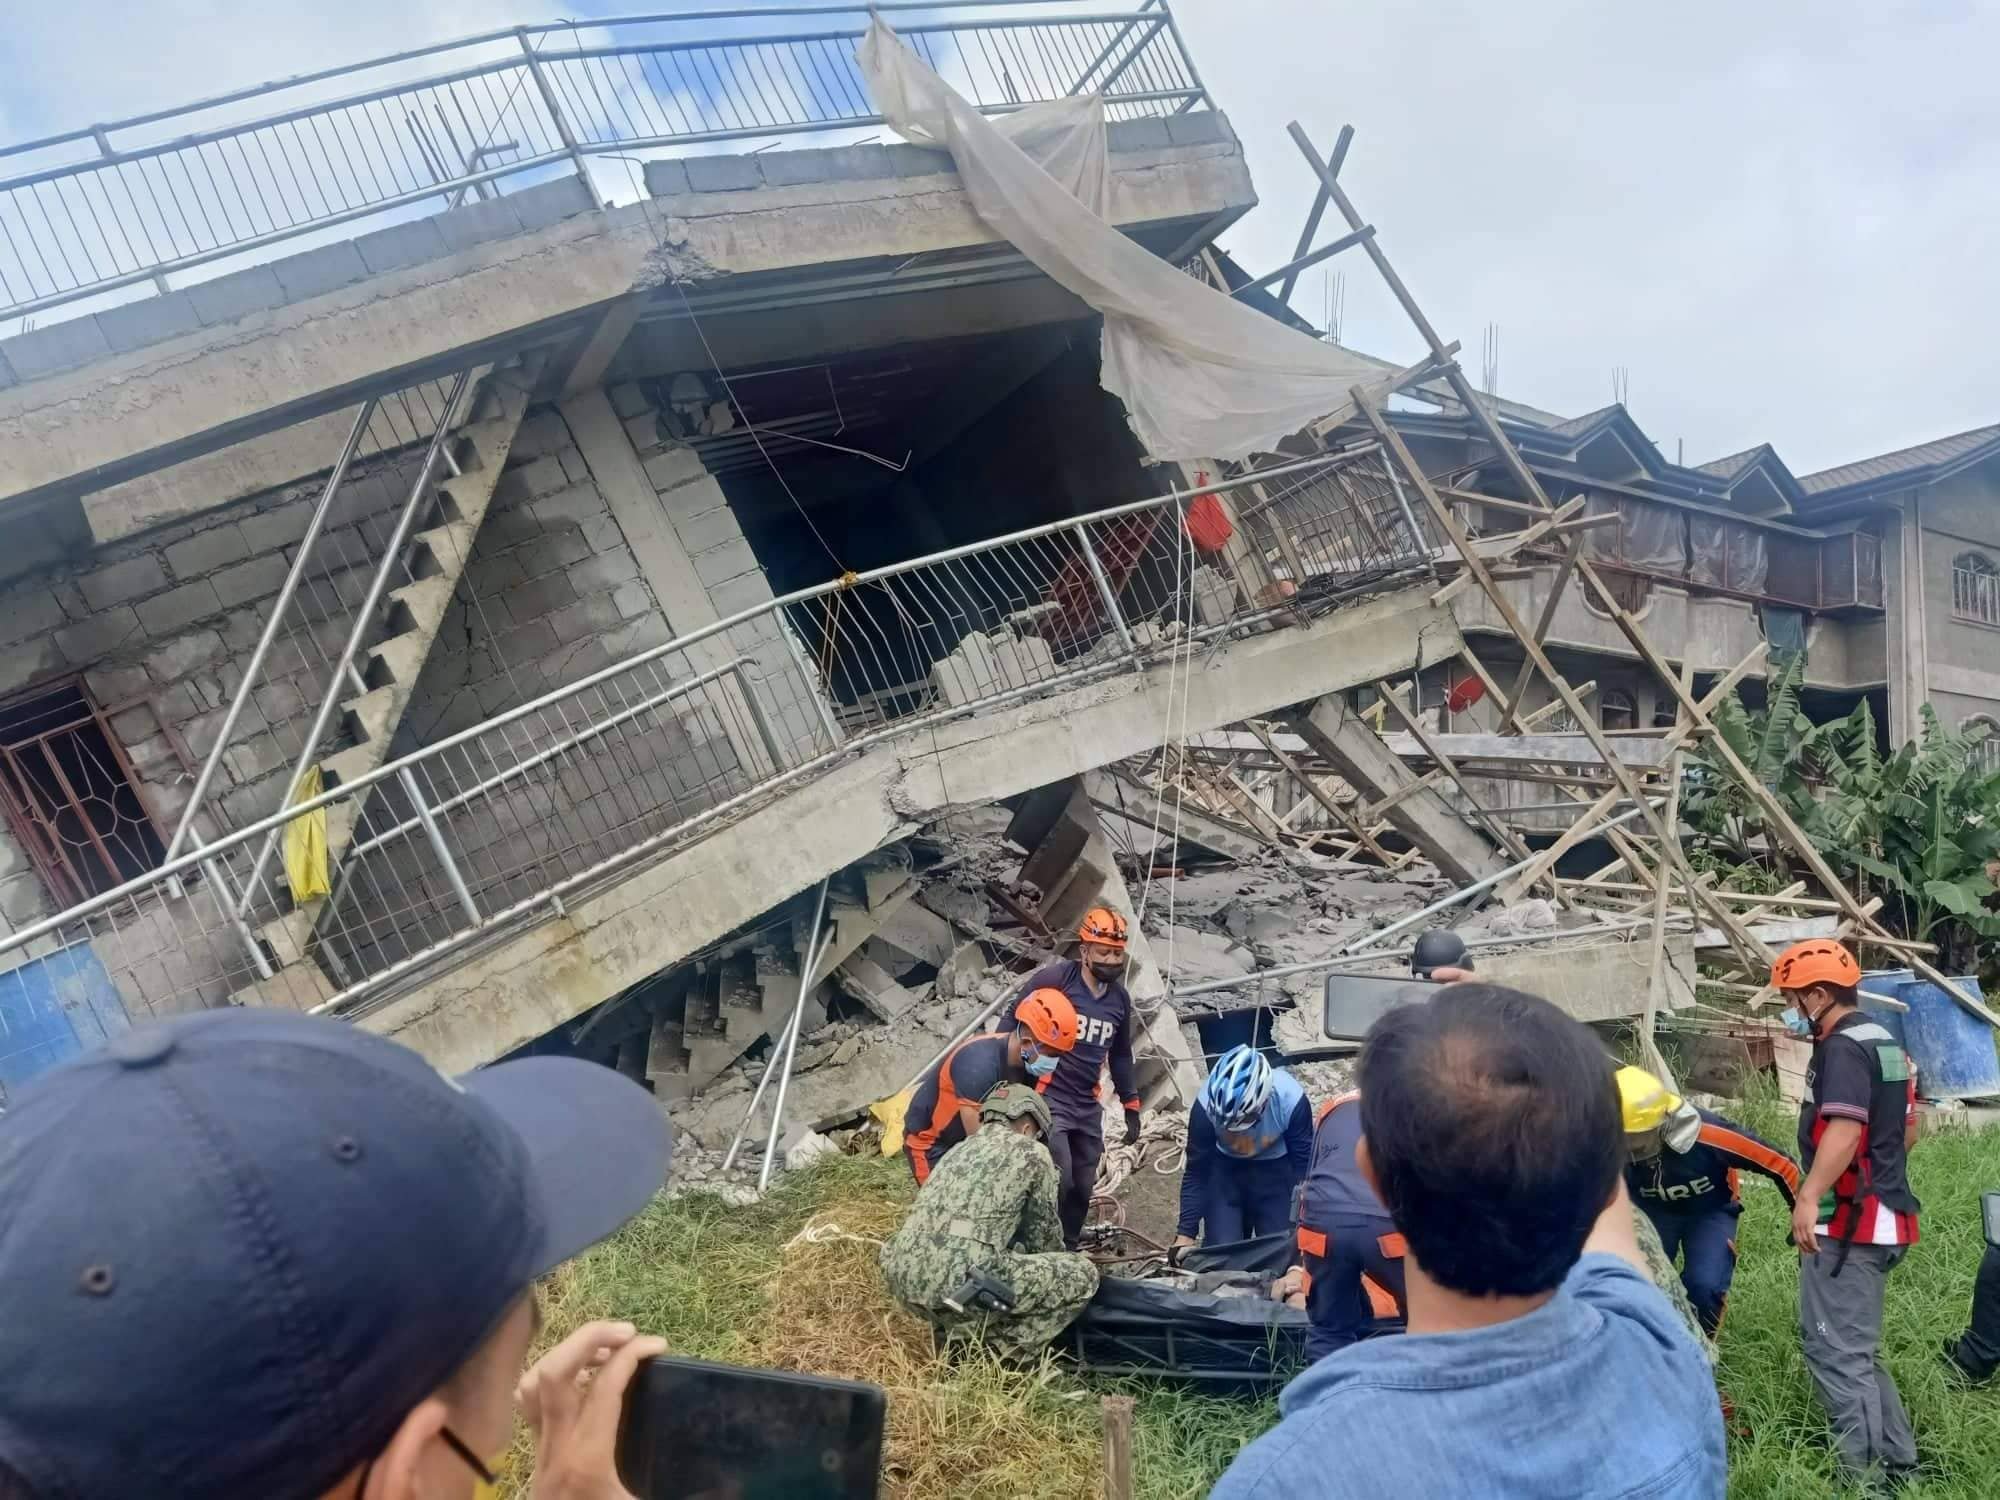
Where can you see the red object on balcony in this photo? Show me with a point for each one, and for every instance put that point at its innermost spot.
(1464, 693)
(1208, 524)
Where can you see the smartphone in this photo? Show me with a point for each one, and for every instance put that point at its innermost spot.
(1989, 1209)
(698, 1431)
(1355, 1002)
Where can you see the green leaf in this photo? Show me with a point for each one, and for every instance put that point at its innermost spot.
(1884, 871)
(1958, 897)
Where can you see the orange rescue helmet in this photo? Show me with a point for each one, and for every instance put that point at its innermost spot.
(1050, 1019)
(1103, 926)
(1815, 961)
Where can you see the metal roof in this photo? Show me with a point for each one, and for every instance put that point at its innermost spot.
(1585, 422)
(1938, 453)
(1733, 464)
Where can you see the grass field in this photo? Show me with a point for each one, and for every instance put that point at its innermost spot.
(736, 1284)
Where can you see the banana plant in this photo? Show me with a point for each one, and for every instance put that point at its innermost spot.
(1772, 742)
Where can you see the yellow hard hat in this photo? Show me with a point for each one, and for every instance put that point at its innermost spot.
(1645, 1100)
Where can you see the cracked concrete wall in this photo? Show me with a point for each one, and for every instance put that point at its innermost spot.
(161, 626)
(159, 629)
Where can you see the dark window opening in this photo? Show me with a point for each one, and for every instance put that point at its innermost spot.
(70, 795)
(1615, 710)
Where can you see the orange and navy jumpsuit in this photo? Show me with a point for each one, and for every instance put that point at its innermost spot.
(964, 1076)
(1693, 1199)
(1351, 1252)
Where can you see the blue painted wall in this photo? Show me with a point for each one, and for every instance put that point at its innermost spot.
(53, 1008)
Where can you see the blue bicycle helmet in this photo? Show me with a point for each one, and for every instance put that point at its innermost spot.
(1238, 1088)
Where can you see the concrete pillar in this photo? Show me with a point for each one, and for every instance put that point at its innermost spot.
(695, 558)
(1338, 736)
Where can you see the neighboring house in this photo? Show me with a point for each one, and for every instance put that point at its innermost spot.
(1711, 559)
(1936, 508)
(1886, 572)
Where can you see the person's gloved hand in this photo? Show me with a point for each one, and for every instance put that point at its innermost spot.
(1181, 1245)
(1131, 1127)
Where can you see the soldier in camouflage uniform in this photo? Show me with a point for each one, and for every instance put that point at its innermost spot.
(990, 1206)
(1660, 1266)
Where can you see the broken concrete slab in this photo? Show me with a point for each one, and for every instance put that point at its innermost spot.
(872, 985)
(1345, 741)
(1195, 956)
(921, 933)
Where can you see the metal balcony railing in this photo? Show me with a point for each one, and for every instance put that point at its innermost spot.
(130, 201)
(492, 829)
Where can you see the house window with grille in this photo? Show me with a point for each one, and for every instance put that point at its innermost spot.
(70, 795)
(1986, 745)
(1616, 710)
(1975, 588)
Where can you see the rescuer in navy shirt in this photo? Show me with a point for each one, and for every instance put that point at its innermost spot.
(1682, 1171)
(1093, 981)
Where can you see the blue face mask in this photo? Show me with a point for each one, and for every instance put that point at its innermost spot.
(1796, 1022)
(1040, 1066)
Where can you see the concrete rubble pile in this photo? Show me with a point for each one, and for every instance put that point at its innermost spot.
(929, 935)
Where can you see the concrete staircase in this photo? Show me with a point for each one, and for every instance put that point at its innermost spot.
(387, 670)
(747, 992)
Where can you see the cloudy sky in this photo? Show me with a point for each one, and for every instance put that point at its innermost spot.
(1780, 220)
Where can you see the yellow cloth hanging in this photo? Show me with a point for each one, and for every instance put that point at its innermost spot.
(305, 846)
(889, 1114)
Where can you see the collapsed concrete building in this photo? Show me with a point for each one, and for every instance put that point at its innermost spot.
(619, 571)
(566, 603)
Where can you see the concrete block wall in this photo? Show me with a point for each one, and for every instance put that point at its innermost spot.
(698, 512)
(235, 295)
(553, 594)
(161, 626)
(160, 629)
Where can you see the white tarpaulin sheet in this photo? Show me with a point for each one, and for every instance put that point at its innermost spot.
(1201, 375)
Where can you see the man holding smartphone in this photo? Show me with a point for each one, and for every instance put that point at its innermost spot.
(253, 1253)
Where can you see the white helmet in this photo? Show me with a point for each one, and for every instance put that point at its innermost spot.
(1238, 1088)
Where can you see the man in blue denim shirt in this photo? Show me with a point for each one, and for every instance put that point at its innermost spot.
(1540, 1361)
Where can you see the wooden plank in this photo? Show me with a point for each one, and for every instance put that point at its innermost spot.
(1392, 441)
(1119, 1475)
(1318, 210)
(1575, 834)
(1499, 832)
(1339, 814)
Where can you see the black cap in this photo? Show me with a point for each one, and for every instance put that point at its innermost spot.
(238, 1247)
(1438, 948)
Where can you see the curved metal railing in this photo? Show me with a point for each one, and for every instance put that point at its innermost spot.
(87, 214)
(493, 828)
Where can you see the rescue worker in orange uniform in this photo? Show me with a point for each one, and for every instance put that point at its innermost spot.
(944, 1109)
(1350, 1255)
(1094, 983)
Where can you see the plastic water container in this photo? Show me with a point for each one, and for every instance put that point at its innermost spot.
(1889, 982)
(1952, 1048)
